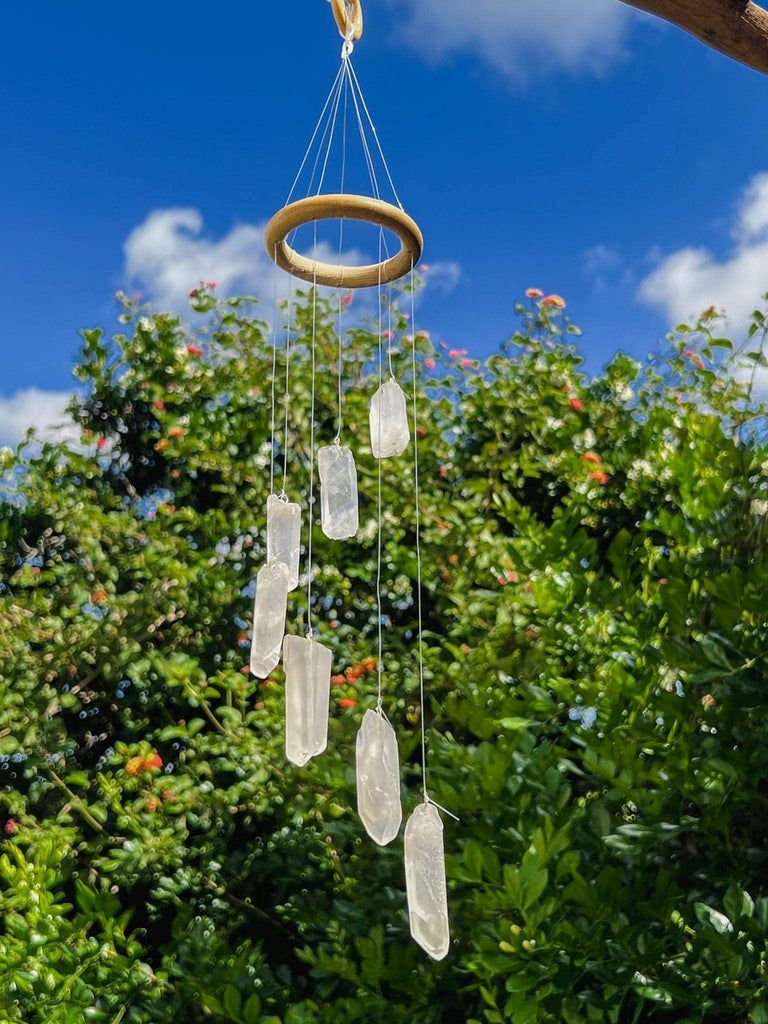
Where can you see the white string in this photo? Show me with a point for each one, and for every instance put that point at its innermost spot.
(363, 138)
(339, 331)
(380, 663)
(418, 539)
(312, 445)
(330, 137)
(375, 135)
(274, 374)
(314, 135)
(287, 380)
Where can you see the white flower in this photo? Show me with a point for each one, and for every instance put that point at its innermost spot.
(758, 507)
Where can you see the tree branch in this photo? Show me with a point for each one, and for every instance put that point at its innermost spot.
(737, 28)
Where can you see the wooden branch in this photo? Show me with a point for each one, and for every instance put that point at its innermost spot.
(737, 28)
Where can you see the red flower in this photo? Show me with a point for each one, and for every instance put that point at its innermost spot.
(100, 595)
(354, 673)
(194, 350)
(348, 703)
(429, 363)
(576, 404)
(246, 670)
(369, 664)
(708, 700)
(334, 624)
(176, 432)
(135, 765)
(210, 284)
(591, 457)
(102, 442)
(454, 353)
(700, 364)
(443, 471)
(167, 794)
(422, 431)
(10, 826)
(663, 581)
(466, 362)
(158, 403)
(347, 300)
(553, 300)
(259, 705)
(193, 293)
(533, 293)
(388, 335)
(338, 680)
(153, 761)
(502, 580)
(688, 354)
(600, 477)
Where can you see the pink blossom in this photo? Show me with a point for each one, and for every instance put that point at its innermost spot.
(429, 363)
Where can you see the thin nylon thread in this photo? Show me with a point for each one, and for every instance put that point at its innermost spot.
(339, 331)
(287, 381)
(375, 135)
(274, 375)
(312, 446)
(380, 662)
(314, 136)
(418, 539)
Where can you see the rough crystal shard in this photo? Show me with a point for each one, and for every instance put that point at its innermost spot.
(269, 610)
(378, 778)
(425, 881)
(307, 695)
(390, 433)
(284, 536)
(338, 492)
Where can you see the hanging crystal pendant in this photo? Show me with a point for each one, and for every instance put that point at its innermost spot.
(284, 536)
(378, 778)
(307, 697)
(390, 432)
(338, 492)
(269, 609)
(425, 881)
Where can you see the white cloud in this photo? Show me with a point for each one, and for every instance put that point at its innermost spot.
(688, 281)
(43, 410)
(442, 274)
(518, 37)
(168, 254)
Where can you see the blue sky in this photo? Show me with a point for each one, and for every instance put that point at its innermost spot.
(580, 148)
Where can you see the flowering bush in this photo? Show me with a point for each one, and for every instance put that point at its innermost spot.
(595, 583)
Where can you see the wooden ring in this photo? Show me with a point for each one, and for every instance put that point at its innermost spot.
(328, 207)
(347, 16)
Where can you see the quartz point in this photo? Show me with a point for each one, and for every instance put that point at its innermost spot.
(338, 492)
(269, 610)
(425, 881)
(378, 778)
(390, 433)
(284, 536)
(307, 697)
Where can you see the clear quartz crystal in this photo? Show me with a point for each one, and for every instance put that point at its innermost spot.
(338, 491)
(269, 609)
(425, 881)
(390, 433)
(284, 536)
(378, 778)
(307, 696)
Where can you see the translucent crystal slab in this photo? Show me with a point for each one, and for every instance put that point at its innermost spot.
(307, 695)
(390, 433)
(269, 610)
(378, 778)
(338, 491)
(425, 881)
(284, 536)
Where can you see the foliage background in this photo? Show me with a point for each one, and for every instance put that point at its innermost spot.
(594, 595)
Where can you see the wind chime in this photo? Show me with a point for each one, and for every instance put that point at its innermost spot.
(306, 662)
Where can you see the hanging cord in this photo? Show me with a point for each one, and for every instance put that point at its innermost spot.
(339, 330)
(274, 375)
(375, 134)
(314, 135)
(286, 396)
(312, 448)
(427, 798)
(380, 662)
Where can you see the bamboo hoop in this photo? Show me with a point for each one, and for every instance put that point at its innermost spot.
(328, 207)
(348, 16)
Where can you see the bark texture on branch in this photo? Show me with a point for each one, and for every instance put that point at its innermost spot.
(736, 28)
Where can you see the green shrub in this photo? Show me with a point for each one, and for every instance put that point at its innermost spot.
(595, 592)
